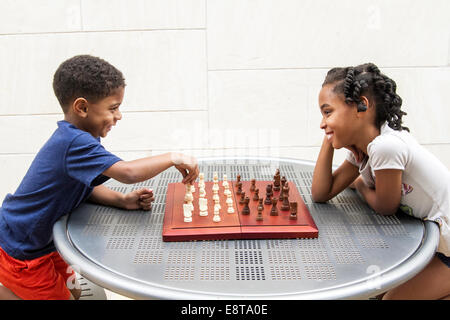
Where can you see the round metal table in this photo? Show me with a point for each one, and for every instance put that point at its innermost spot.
(358, 253)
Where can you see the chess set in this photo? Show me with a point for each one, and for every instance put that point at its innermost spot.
(213, 210)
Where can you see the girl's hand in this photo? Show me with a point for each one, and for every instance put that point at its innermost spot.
(138, 199)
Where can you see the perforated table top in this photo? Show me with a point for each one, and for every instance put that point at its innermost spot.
(358, 253)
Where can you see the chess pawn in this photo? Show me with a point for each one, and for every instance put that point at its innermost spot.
(239, 188)
(187, 213)
(216, 217)
(201, 192)
(215, 196)
(256, 195)
(215, 187)
(230, 209)
(253, 185)
(217, 204)
(246, 209)
(259, 217)
(283, 181)
(192, 188)
(285, 206)
(225, 181)
(238, 178)
(268, 199)
(215, 177)
(274, 210)
(201, 180)
(242, 199)
(203, 206)
(229, 201)
(227, 192)
(269, 190)
(293, 206)
(260, 203)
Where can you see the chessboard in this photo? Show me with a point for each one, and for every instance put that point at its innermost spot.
(210, 210)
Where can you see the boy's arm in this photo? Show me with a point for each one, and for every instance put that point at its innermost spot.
(385, 198)
(325, 183)
(143, 169)
(138, 199)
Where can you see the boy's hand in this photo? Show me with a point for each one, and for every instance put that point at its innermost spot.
(187, 165)
(139, 199)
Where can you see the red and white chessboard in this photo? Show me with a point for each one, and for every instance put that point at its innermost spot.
(235, 225)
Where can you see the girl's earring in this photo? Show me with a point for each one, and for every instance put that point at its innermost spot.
(361, 107)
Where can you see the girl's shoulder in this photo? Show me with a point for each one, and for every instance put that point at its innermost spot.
(390, 146)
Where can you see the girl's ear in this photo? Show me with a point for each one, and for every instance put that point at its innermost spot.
(363, 104)
(80, 107)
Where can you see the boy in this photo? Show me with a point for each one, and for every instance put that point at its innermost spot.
(69, 169)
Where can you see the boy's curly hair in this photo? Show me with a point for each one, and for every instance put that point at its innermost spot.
(367, 80)
(85, 76)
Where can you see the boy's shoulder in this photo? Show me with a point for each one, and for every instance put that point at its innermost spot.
(68, 135)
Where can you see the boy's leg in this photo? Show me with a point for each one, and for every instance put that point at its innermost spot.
(68, 274)
(6, 294)
(433, 283)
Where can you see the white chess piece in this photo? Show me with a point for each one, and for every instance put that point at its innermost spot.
(225, 181)
(187, 213)
(201, 192)
(230, 209)
(201, 180)
(192, 188)
(216, 217)
(203, 205)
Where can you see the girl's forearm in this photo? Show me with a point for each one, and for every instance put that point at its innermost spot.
(323, 175)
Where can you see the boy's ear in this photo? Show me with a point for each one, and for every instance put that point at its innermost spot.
(80, 107)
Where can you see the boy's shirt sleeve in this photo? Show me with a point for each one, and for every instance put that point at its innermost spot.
(388, 152)
(86, 160)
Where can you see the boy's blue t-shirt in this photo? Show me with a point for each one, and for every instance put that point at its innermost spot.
(61, 176)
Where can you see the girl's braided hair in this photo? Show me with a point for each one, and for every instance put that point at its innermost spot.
(367, 80)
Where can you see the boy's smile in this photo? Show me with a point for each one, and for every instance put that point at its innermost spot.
(98, 118)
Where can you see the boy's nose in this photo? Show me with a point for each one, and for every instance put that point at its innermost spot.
(118, 115)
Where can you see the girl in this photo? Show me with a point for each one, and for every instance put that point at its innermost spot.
(361, 112)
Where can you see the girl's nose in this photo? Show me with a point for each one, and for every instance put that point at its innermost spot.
(323, 124)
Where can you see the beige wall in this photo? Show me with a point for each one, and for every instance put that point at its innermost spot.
(218, 77)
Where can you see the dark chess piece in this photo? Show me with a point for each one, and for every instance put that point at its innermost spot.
(256, 195)
(268, 199)
(269, 190)
(276, 181)
(242, 200)
(260, 203)
(293, 207)
(274, 210)
(238, 178)
(253, 185)
(259, 217)
(246, 209)
(285, 205)
(239, 186)
(283, 181)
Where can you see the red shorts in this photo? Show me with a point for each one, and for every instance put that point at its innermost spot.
(43, 278)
